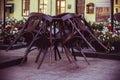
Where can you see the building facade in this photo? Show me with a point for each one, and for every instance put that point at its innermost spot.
(100, 10)
(116, 6)
(22, 8)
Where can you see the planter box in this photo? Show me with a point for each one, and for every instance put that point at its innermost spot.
(116, 46)
(99, 48)
(15, 46)
(6, 61)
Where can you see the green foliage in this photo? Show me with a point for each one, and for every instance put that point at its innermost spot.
(97, 26)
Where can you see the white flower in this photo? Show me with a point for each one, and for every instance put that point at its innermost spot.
(7, 26)
(16, 29)
(114, 35)
(110, 32)
(116, 22)
(113, 48)
(107, 37)
(13, 32)
(119, 31)
(104, 32)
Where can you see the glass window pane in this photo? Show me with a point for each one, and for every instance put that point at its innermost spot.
(62, 3)
(60, 6)
(43, 6)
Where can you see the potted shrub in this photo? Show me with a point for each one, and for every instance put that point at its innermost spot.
(109, 37)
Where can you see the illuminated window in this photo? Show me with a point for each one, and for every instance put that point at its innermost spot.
(42, 6)
(60, 6)
(25, 7)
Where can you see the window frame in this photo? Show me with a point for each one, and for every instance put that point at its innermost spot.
(44, 10)
(58, 8)
(116, 10)
(116, 1)
(24, 2)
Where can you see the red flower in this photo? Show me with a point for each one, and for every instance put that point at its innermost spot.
(16, 26)
(9, 27)
(113, 31)
(109, 27)
(99, 33)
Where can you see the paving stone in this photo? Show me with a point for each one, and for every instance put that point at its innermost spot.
(99, 69)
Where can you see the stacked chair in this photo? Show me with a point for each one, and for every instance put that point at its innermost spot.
(67, 31)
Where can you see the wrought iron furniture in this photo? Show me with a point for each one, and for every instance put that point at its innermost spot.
(67, 31)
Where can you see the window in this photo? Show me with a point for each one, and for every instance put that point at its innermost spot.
(116, 10)
(25, 7)
(60, 6)
(116, 1)
(102, 14)
(42, 6)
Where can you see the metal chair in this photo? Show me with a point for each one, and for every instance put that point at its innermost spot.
(88, 32)
(71, 32)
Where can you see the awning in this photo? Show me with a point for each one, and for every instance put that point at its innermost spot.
(9, 5)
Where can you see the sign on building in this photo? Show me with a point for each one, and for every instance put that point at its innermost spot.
(103, 10)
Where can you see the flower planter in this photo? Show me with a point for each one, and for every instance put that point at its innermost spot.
(4, 44)
(116, 46)
(98, 47)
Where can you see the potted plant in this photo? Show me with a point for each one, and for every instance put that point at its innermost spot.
(109, 37)
(10, 31)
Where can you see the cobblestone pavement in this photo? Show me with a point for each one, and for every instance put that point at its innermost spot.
(99, 69)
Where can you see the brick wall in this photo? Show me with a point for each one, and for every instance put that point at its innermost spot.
(80, 6)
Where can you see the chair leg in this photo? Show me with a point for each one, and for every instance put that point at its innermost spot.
(82, 36)
(14, 42)
(25, 57)
(37, 58)
(85, 57)
(43, 57)
(73, 54)
(29, 48)
(55, 53)
(58, 53)
(68, 52)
